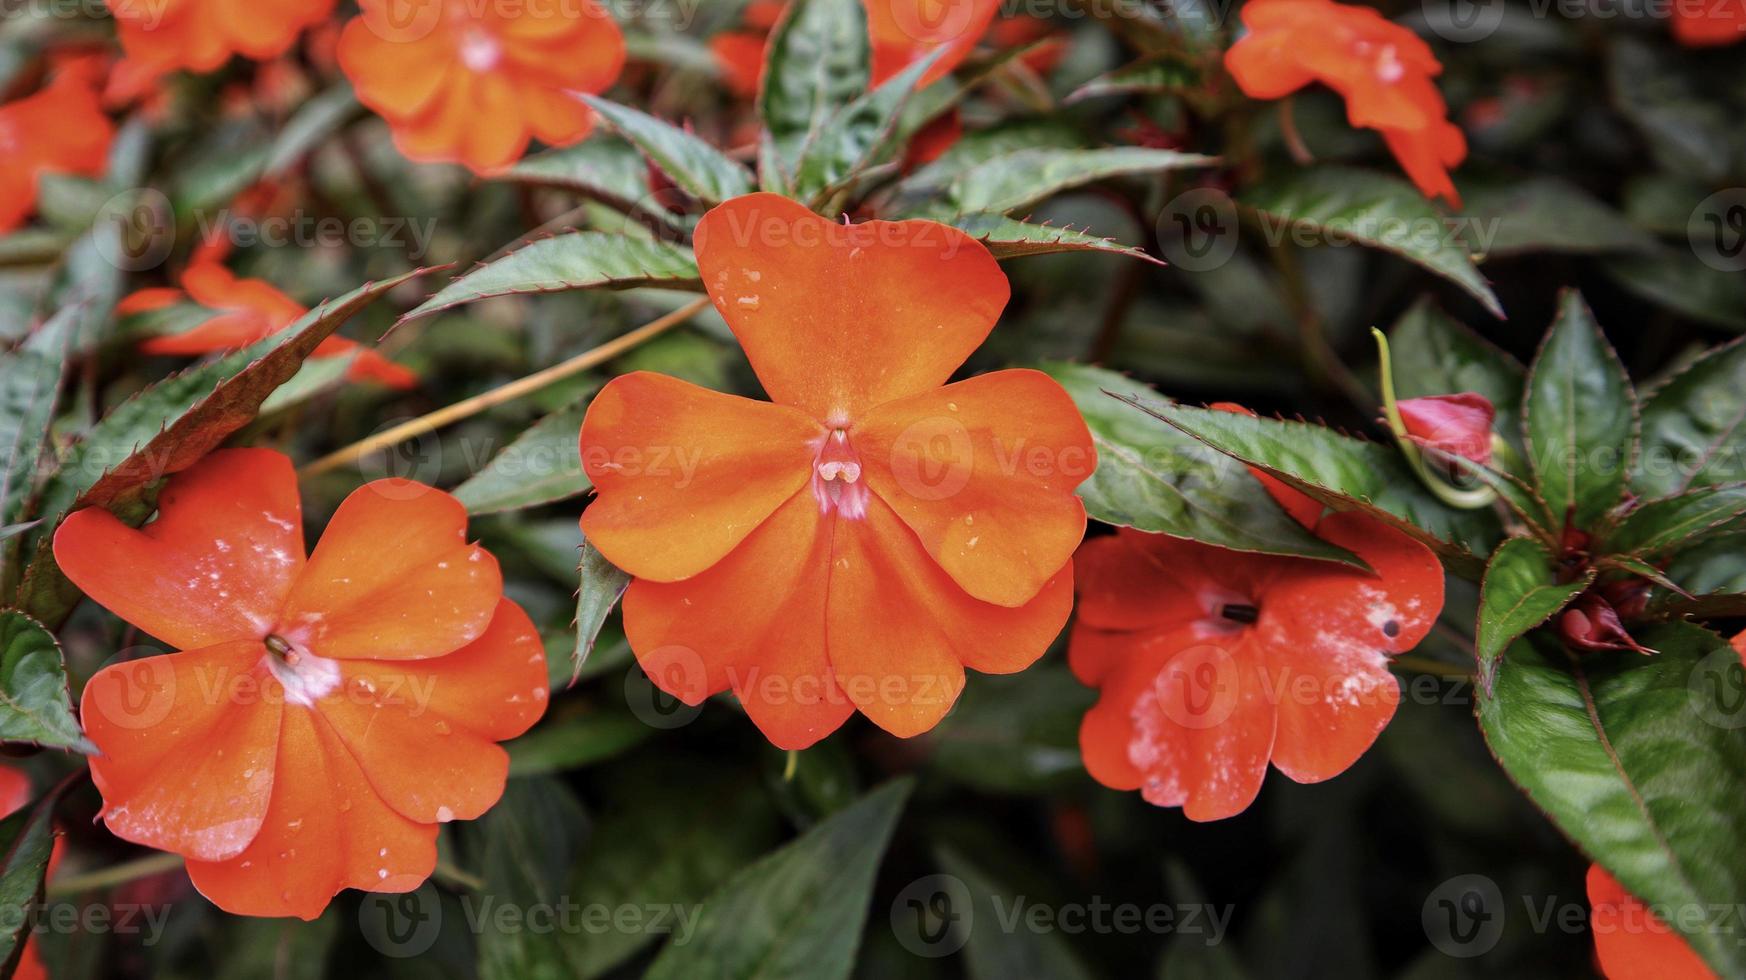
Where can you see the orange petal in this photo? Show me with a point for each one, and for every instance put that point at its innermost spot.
(371, 366)
(226, 331)
(1265, 64)
(755, 621)
(1327, 632)
(1138, 580)
(15, 791)
(740, 57)
(1200, 727)
(393, 578)
(684, 473)
(216, 563)
(1631, 942)
(983, 472)
(839, 318)
(901, 631)
(495, 687)
(905, 30)
(398, 78)
(147, 300)
(325, 830)
(188, 742)
(428, 769)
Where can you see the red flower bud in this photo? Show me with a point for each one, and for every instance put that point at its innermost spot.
(1591, 623)
(1451, 425)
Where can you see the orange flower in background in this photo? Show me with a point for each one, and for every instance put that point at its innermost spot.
(248, 310)
(15, 795)
(740, 53)
(1383, 71)
(861, 540)
(1212, 662)
(162, 36)
(325, 713)
(59, 130)
(1630, 942)
(473, 83)
(1709, 23)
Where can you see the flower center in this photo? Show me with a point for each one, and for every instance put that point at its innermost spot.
(836, 477)
(306, 677)
(480, 52)
(1241, 612)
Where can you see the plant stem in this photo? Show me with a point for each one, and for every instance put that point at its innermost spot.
(448, 874)
(115, 874)
(507, 393)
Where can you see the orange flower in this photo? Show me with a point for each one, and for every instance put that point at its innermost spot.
(472, 83)
(858, 543)
(327, 712)
(1630, 942)
(248, 310)
(1709, 23)
(59, 130)
(201, 35)
(1383, 71)
(740, 54)
(1213, 662)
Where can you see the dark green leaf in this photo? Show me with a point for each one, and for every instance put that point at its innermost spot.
(317, 119)
(34, 703)
(1156, 478)
(1520, 591)
(1340, 471)
(604, 166)
(525, 847)
(1544, 214)
(542, 466)
(1694, 426)
(698, 168)
(858, 135)
(1580, 415)
(585, 738)
(167, 428)
(1641, 761)
(577, 260)
(671, 834)
(1024, 177)
(30, 378)
(1679, 281)
(1010, 239)
(1338, 204)
(994, 953)
(603, 584)
(1159, 74)
(26, 840)
(1017, 733)
(797, 913)
(1658, 526)
(818, 61)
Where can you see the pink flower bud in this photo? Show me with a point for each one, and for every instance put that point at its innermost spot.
(1451, 425)
(1591, 623)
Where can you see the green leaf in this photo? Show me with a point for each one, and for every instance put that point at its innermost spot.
(1156, 478)
(577, 260)
(603, 166)
(525, 847)
(858, 135)
(1340, 204)
(798, 912)
(999, 954)
(35, 705)
(542, 466)
(1694, 426)
(1640, 762)
(1155, 75)
(1520, 591)
(167, 428)
(1580, 415)
(318, 118)
(30, 378)
(1711, 568)
(1544, 214)
(673, 831)
(818, 61)
(584, 738)
(1010, 239)
(26, 840)
(698, 168)
(1023, 177)
(1655, 527)
(1017, 733)
(1680, 282)
(603, 584)
(1340, 471)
